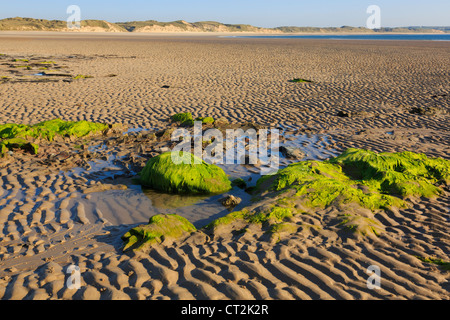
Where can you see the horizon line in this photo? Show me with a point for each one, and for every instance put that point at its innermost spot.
(224, 23)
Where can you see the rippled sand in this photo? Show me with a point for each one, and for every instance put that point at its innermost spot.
(362, 95)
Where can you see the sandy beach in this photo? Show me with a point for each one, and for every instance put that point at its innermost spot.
(380, 95)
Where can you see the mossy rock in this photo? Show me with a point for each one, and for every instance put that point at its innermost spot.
(284, 227)
(49, 129)
(183, 118)
(299, 80)
(206, 120)
(361, 225)
(82, 76)
(276, 214)
(192, 175)
(375, 181)
(357, 181)
(18, 143)
(404, 173)
(240, 183)
(159, 228)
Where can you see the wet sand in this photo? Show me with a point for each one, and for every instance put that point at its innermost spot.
(380, 95)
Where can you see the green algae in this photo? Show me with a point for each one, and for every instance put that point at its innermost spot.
(276, 214)
(357, 177)
(240, 183)
(49, 129)
(443, 264)
(357, 183)
(46, 130)
(299, 80)
(81, 76)
(403, 173)
(192, 175)
(375, 181)
(18, 143)
(228, 219)
(159, 228)
(360, 225)
(283, 227)
(186, 119)
(183, 117)
(206, 120)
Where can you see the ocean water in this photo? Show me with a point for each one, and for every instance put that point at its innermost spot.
(396, 37)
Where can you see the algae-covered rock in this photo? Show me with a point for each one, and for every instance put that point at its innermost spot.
(239, 182)
(374, 181)
(192, 175)
(349, 188)
(182, 117)
(159, 228)
(205, 120)
(361, 225)
(16, 135)
(404, 173)
(49, 129)
(18, 143)
(230, 201)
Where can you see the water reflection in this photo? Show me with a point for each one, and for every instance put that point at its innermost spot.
(162, 200)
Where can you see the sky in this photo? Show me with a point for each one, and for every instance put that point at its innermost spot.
(262, 13)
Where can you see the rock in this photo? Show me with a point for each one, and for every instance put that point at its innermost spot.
(357, 114)
(427, 111)
(230, 201)
(292, 153)
(240, 183)
(160, 228)
(183, 118)
(188, 175)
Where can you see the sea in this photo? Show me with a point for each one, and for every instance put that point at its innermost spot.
(394, 37)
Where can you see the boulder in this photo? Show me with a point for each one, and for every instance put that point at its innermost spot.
(161, 173)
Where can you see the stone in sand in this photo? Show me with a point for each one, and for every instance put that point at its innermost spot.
(162, 174)
(230, 201)
(160, 228)
(292, 153)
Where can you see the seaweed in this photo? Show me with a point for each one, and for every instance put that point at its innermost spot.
(46, 130)
(159, 228)
(192, 175)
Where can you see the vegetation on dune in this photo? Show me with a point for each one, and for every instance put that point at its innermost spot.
(159, 228)
(192, 175)
(19, 23)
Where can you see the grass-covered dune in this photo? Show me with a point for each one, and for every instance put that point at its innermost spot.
(356, 183)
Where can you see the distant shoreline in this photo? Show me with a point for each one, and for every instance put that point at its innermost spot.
(216, 33)
(208, 27)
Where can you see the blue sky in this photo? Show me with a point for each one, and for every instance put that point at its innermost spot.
(263, 13)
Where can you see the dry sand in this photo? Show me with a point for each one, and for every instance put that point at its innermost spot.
(48, 222)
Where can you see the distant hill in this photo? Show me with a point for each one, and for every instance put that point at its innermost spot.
(30, 24)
